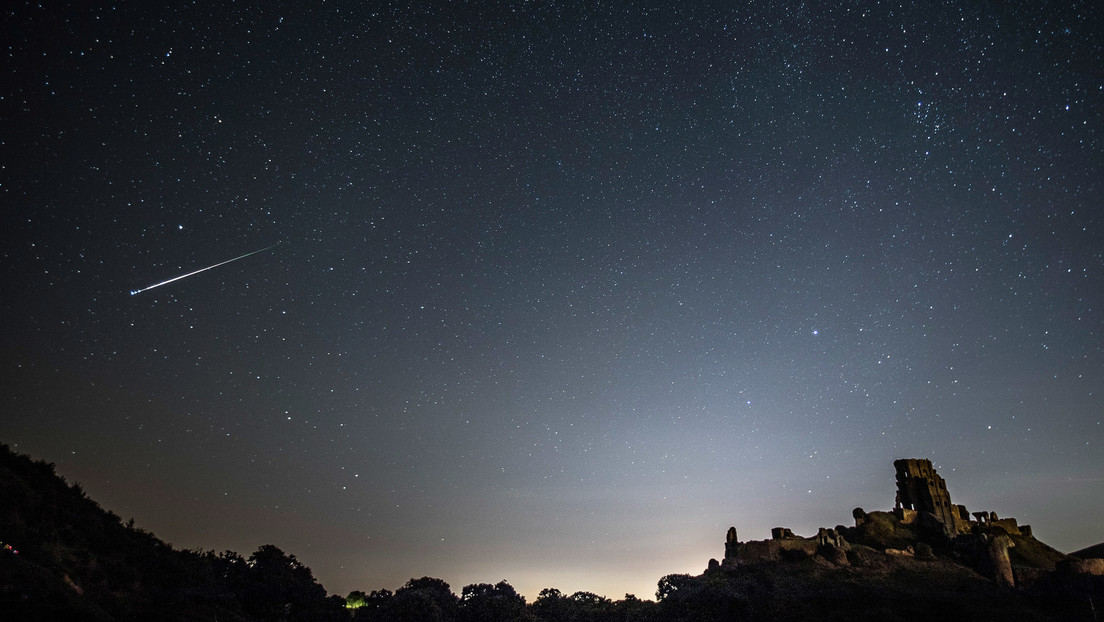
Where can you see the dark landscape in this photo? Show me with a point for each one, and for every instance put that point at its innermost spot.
(64, 557)
(511, 309)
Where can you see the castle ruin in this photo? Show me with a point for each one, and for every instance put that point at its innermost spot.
(922, 496)
(921, 489)
(922, 500)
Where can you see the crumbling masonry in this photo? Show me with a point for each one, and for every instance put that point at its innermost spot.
(921, 489)
(922, 493)
(922, 499)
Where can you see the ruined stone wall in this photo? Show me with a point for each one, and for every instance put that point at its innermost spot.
(807, 546)
(759, 551)
(1007, 524)
(732, 545)
(773, 549)
(907, 517)
(920, 488)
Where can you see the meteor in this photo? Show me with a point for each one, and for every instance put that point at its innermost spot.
(184, 276)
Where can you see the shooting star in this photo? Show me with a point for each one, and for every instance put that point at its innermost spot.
(184, 276)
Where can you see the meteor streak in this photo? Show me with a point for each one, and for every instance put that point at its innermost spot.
(184, 276)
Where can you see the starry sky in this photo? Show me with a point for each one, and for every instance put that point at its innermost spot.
(560, 290)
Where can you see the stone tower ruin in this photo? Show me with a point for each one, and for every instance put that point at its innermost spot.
(921, 489)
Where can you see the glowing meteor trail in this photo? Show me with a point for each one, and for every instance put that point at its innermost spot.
(184, 276)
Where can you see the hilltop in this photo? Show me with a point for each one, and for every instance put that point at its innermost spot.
(923, 560)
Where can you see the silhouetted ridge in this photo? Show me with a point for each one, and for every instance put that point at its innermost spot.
(69, 559)
(63, 557)
(1096, 550)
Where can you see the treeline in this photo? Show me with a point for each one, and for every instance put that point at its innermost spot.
(72, 560)
(432, 600)
(63, 557)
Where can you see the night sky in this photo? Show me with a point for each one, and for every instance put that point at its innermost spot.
(559, 291)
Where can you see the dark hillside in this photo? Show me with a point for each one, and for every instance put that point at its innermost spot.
(875, 586)
(1096, 550)
(71, 559)
(75, 558)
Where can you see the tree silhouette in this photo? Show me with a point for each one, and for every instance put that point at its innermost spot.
(426, 599)
(632, 609)
(356, 599)
(273, 585)
(483, 602)
(375, 608)
(674, 585)
(552, 605)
